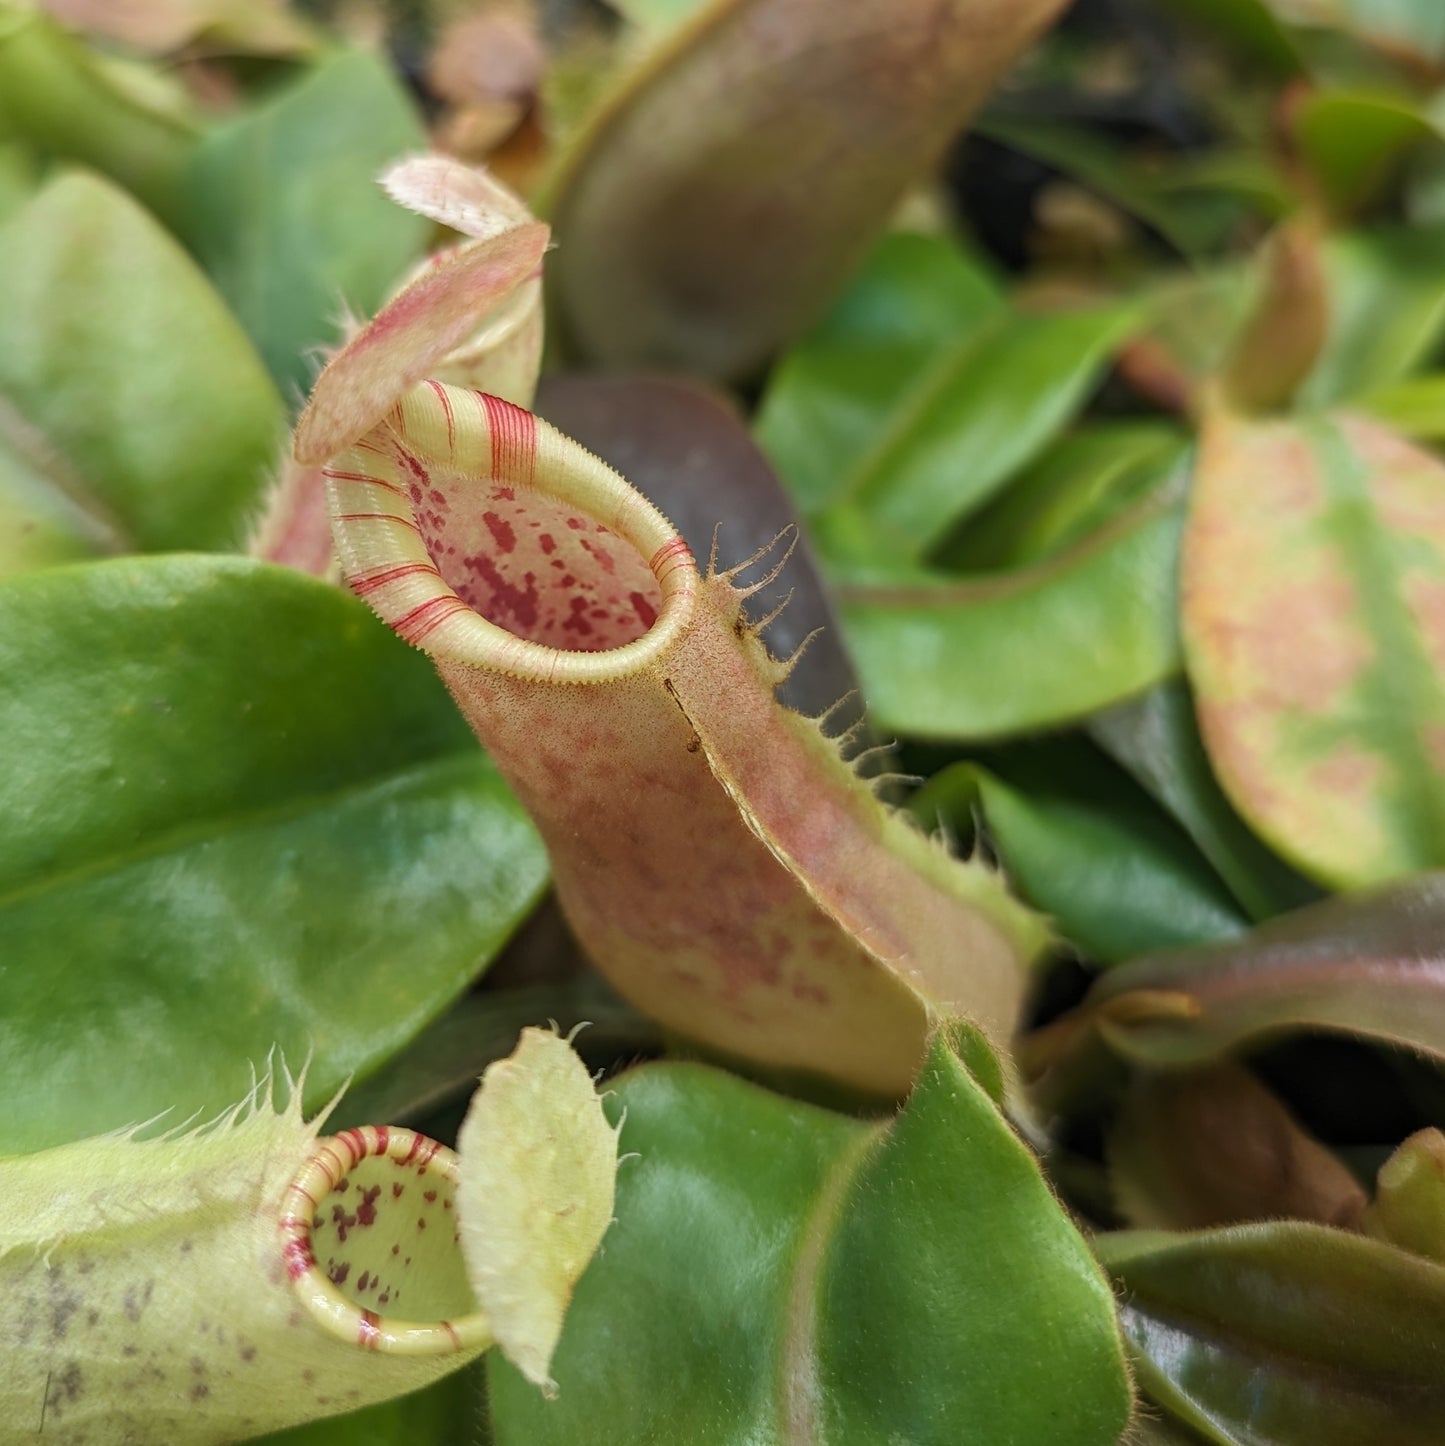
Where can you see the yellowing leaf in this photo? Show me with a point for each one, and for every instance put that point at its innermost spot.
(1313, 614)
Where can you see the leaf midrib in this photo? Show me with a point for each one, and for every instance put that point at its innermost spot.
(800, 1390)
(1401, 661)
(951, 590)
(50, 466)
(182, 838)
(929, 384)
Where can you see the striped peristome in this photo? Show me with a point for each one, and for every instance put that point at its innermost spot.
(717, 858)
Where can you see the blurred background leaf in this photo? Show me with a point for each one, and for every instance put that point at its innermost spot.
(1114, 874)
(283, 209)
(1313, 573)
(1367, 965)
(134, 413)
(1285, 1332)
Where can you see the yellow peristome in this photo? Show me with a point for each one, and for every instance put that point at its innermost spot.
(539, 1165)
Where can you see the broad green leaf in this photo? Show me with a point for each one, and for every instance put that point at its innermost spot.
(1413, 407)
(917, 299)
(1191, 1149)
(1387, 310)
(979, 412)
(1079, 484)
(921, 394)
(846, 1270)
(239, 816)
(47, 516)
(1084, 845)
(914, 290)
(1353, 142)
(1313, 584)
(1251, 177)
(18, 174)
(983, 657)
(284, 211)
(1371, 966)
(724, 192)
(70, 103)
(134, 414)
(1285, 1334)
(1155, 738)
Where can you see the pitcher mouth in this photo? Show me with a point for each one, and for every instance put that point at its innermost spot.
(485, 537)
(356, 1217)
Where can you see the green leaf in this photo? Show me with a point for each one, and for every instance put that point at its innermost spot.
(240, 815)
(1155, 738)
(438, 1415)
(979, 658)
(1414, 407)
(977, 414)
(1353, 141)
(47, 518)
(1082, 482)
(126, 120)
(284, 211)
(1285, 1334)
(849, 1268)
(18, 175)
(1371, 966)
(903, 428)
(1313, 574)
(917, 298)
(1083, 844)
(1387, 310)
(134, 414)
